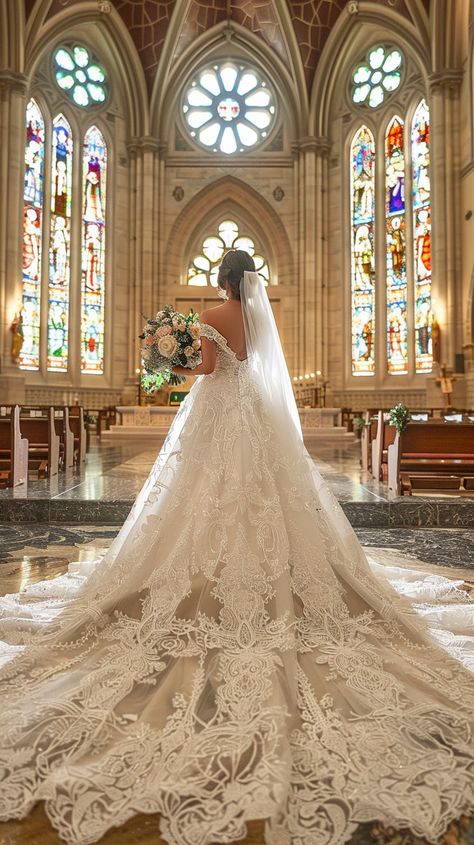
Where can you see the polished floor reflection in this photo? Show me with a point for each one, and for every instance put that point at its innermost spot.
(117, 471)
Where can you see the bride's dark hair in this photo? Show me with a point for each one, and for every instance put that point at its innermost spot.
(231, 271)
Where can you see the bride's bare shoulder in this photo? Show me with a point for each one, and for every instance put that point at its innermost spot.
(212, 316)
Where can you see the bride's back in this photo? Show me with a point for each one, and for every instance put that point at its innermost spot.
(227, 319)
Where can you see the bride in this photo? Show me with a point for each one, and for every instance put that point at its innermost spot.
(234, 656)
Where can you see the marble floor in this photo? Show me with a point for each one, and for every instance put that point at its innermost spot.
(35, 552)
(117, 471)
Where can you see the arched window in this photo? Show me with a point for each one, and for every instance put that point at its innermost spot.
(204, 266)
(396, 281)
(64, 209)
(420, 145)
(32, 237)
(93, 251)
(60, 245)
(407, 284)
(362, 255)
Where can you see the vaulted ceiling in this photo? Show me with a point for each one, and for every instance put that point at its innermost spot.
(312, 21)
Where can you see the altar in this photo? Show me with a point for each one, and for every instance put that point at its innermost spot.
(319, 425)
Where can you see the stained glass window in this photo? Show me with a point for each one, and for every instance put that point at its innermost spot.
(32, 237)
(396, 279)
(377, 77)
(229, 108)
(93, 251)
(59, 245)
(80, 76)
(420, 140)
(362, 255)
(204, 267)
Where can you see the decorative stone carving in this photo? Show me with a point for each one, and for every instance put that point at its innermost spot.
(278, 193)
(178, 193)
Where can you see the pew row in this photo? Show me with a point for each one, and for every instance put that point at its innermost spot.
(44, 442)
(432, 456)
(13, 450)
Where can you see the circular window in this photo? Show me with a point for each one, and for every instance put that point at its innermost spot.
(373, 80)
(229, 108)
(80, 76)
(204, 267)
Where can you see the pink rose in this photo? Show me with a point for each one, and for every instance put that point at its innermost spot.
(196, 344)
(150, 340)
(188, 351)
(163, 331)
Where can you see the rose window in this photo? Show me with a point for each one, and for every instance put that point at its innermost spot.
(204, 267)
(80, 76)
(379, 76)
(229, 108)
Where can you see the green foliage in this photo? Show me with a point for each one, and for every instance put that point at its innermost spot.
(400, 417)
(359, 423)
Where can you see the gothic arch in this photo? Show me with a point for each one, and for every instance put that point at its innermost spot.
(113, 43)
(347, 39)
(228, 195)
(172, 75)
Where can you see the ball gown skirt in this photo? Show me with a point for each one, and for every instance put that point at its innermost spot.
(234, 656)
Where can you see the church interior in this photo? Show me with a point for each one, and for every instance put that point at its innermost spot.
(331, 139)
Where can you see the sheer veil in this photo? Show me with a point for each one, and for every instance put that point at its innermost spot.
(265, 355)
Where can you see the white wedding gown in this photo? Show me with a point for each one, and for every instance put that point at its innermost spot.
(234, 656)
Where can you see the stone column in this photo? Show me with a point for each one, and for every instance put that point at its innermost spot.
(144, 191)
(311, 181)
(446, 209)
(13, 87)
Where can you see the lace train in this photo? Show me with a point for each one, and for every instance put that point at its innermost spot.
(233, 656)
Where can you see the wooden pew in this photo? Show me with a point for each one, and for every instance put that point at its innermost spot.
(13, 449)
(66, 436)
(377, 445)
(429, 455)
(367, 437)
(76, 423)
(105, 418)
(43, 450)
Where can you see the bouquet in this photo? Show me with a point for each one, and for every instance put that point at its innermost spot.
(169, 340)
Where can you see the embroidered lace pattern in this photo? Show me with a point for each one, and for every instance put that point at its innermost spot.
(233, 656)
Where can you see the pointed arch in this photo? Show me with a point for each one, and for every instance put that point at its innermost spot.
(62, 150)
(168, 86)
(348, 38)
(226, 197)
(109, 38)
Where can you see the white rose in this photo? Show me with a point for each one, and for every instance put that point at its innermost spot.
(188, 351)
(196, 344)
(194, 331)
(167, 346)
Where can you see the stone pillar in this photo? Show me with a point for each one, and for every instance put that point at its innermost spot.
(446, 204)
(144, 156)
(13, 87)
(311, 184)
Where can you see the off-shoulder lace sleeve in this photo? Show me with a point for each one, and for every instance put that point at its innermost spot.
(212, 334)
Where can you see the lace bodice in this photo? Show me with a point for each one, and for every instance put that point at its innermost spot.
(233, 656)
(227, 360)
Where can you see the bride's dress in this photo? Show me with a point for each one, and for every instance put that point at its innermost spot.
(233, 656)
